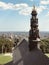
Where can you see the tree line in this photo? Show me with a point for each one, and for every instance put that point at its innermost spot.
(6, 45)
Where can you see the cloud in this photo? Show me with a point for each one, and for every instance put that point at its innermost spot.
(44, 2)
(23, 8)
(41, 9)
(26, 11)
(4, 5)
(20, 6)
(47, 14)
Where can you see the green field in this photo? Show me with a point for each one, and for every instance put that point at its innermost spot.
(47, 55)
(4, 59)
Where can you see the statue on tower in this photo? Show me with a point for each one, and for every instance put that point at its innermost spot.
(34, 37)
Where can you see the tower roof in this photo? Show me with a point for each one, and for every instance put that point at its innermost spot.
(34, 11)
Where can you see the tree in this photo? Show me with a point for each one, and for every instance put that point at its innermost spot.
(5, 44)
(45, 45)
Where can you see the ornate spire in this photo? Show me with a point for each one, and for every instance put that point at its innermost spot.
(34, 32)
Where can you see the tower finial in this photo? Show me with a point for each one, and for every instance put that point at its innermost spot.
(33, 7)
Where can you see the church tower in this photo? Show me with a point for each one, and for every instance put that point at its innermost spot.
(34, 32)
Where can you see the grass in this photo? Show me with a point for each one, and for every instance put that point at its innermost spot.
(47, 55)
(4, 59)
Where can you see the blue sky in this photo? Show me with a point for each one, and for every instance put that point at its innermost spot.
(15, 15)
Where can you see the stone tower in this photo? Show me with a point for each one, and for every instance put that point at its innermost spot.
(34, 32)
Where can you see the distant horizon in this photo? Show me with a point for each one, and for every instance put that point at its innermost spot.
(22, 31)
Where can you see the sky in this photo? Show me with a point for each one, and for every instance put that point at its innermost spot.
(15, 15)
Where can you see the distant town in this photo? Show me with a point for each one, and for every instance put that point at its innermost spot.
(12, 34)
